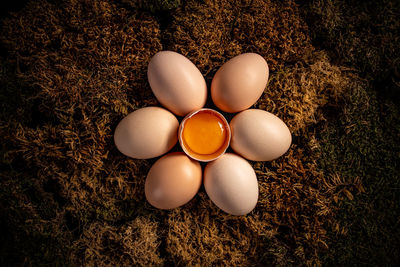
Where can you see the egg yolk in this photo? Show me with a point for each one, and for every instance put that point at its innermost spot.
(204, 133)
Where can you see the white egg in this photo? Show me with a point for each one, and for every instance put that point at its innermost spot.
(231, 183)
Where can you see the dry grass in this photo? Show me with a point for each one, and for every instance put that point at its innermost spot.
(133, 244)
(74, 69)
(211, 32)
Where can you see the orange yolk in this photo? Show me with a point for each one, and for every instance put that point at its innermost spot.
(204, 133)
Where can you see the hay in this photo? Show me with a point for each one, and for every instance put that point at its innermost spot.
(203, 235)
(297, 93)
(88, 83)
(213, 32)
(153, 6)
(133, 244)
(86, 64)
(74, 69)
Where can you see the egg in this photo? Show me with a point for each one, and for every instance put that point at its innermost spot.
(231, 184)
(204, 134)
(146, 133)
(176, 82)
(240, 82)
(259, 135)
(173, 181)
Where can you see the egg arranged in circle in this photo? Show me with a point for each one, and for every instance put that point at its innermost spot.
(240, 82)
(172, 181)
(146, 133)
(176, 82)
(231, 183)
(259, 135)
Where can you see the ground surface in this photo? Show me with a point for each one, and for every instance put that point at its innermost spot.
(71, 70)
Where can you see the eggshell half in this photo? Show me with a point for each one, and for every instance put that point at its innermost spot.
(259, 135)
(205, 157)
(176, 82)
(231, 184)
(240, 82)
(172, 181)
(146, 133)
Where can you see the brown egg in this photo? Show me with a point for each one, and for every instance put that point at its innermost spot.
(231, 184)
(146, 133)
(259, 135)
(176, 82)
(173, 181)
(240, 82)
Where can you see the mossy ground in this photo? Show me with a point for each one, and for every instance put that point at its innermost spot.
(71, 70)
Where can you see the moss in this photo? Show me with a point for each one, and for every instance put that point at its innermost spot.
(359, 140)
(366, 128)
(360, 34)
